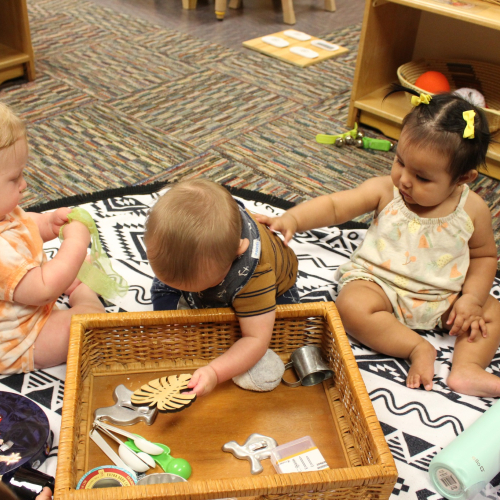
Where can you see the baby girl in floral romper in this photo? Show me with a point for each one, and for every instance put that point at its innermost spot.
(429, 257)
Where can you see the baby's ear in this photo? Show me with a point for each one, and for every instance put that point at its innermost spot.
(243, 246)
(470, 176)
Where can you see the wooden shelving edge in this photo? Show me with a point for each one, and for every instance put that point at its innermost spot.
(482, 13)
(392, 30)
(11, 57)
(16, 51)
(387, 116)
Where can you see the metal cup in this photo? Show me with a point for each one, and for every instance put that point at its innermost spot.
(309, 365)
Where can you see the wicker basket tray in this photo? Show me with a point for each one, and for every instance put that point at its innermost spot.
(461, 73)
(108, 349)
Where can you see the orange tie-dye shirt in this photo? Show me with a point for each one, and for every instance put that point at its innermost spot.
(21, 249)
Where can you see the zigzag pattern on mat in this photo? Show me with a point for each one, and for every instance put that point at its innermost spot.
(119, 101)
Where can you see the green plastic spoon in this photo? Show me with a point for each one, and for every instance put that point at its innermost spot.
(168, 463)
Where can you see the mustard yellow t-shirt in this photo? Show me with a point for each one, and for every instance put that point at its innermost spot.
(275, 273)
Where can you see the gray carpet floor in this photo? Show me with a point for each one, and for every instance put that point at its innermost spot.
(134, 91)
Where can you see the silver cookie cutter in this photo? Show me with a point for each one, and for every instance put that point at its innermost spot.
(123, 412)
(256, 448)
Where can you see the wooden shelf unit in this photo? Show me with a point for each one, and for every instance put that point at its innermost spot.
(16, 52)
(398, 31)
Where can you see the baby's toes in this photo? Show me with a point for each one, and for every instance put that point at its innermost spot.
(413, 381)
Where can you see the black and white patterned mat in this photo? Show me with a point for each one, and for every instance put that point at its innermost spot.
(416, 423)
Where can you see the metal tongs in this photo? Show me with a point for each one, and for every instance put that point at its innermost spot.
(136, 461)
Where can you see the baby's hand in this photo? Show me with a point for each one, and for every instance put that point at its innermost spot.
(58, 218)
(467, 318)
(203, 381)
(286, 224)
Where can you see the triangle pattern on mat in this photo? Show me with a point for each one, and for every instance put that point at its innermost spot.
(387, 429)
(39, 386)
(415, 444)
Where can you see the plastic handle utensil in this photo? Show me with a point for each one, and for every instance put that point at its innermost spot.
(141, 443)
(136, 461)
(140, 462)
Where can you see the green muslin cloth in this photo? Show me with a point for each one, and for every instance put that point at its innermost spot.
(98, 274)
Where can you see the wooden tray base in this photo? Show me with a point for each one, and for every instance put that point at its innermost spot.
(229, 413)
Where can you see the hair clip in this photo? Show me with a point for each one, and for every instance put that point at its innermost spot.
(469, 128)
(422, 98)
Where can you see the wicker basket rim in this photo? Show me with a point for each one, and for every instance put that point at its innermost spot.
(452, 61)
(110, 320)
(377, 475)
(494, 68)
(307, 482)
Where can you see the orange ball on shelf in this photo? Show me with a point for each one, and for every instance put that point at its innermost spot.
(433, 81)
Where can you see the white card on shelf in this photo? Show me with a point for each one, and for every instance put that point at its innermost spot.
(322, 44)
(276, 41)
(304, 52)
(298, 35)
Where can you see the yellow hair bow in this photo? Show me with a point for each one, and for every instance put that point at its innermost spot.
(422, 98)
(469, 128)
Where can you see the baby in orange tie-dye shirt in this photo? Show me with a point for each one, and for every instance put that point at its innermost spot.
(33, 333)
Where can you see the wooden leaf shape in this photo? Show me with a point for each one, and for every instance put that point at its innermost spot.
(165, 393)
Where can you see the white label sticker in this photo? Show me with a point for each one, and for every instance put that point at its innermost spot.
(309, 460)
(448, 480)
(321, 44)
(256, 249)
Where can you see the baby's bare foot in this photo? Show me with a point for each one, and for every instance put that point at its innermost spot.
(473, 380)
(422, 366)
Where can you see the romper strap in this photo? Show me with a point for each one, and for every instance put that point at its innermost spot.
(463, 197)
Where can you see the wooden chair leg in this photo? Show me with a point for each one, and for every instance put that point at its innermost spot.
(330, 5)
(288, 12)
(235, 4)
(189, 4)
(220, 9)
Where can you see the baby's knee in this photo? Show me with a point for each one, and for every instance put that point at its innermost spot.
(492, 312)
(361, 298)
(350, 310)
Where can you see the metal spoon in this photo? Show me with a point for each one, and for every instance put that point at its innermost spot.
(141, 443)
(104, 446)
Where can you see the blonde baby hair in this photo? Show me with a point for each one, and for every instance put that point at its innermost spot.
(12, 127)
(195, 224)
